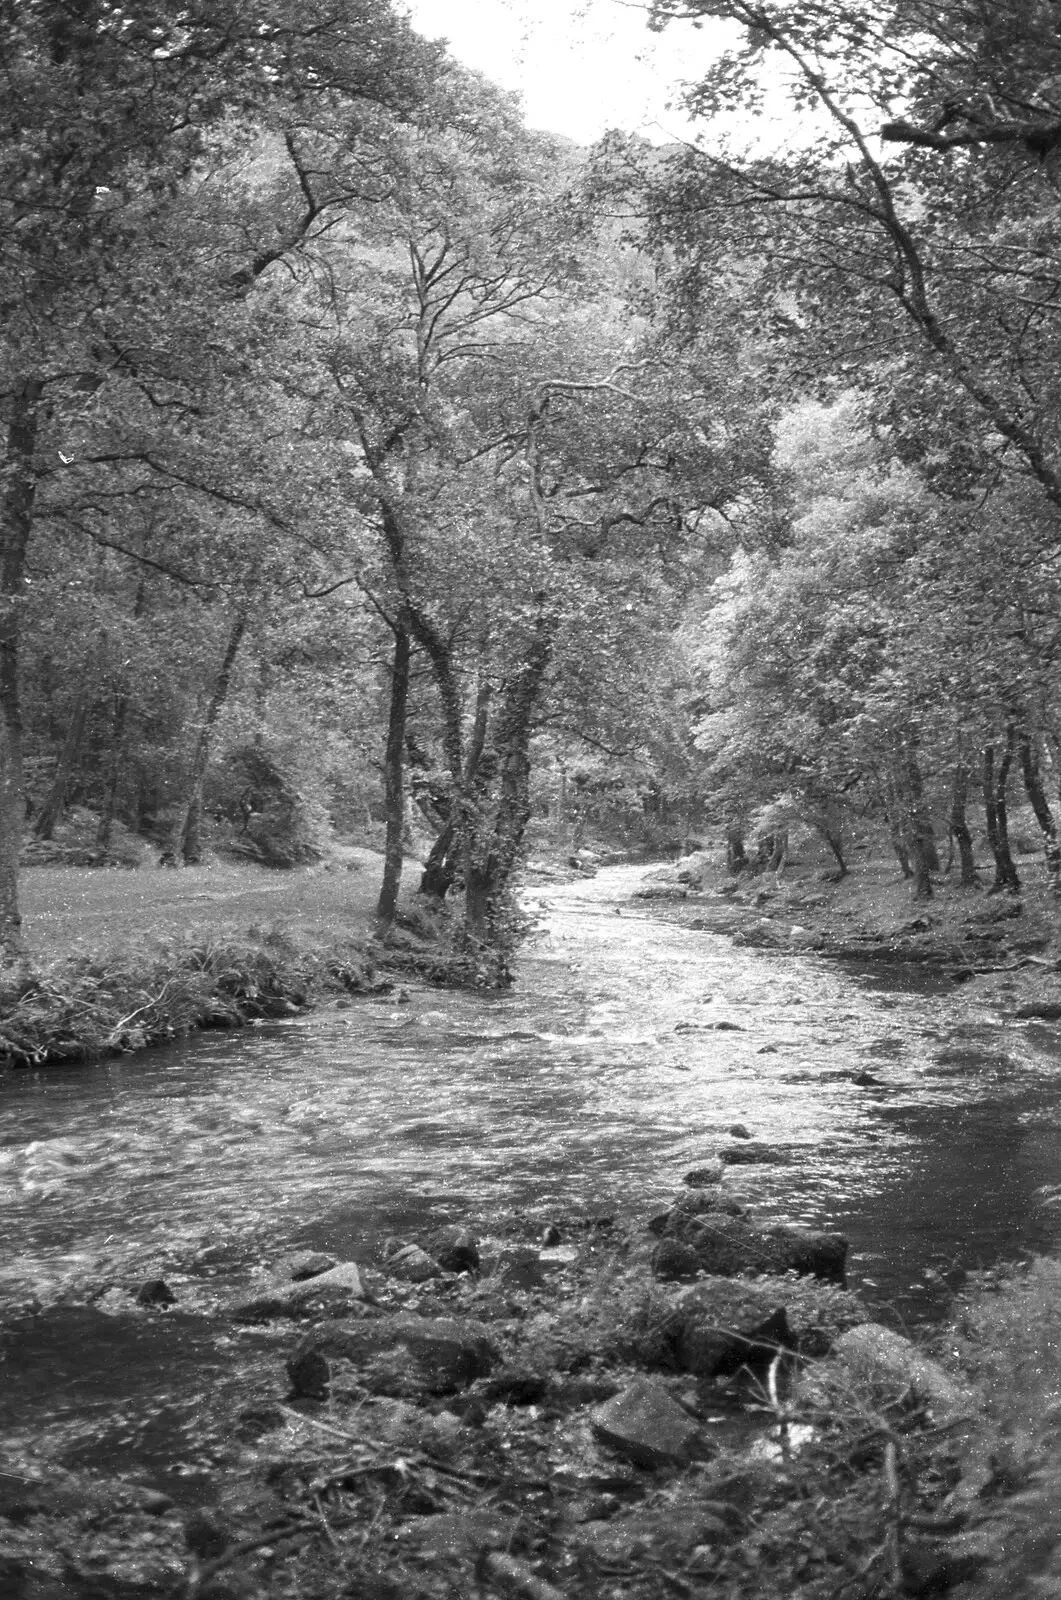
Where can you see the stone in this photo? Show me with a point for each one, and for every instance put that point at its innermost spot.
(551, 1236)
(728, 1245)
(338, 1288)
(413, 1264)
(717, 1326)
(302, 1264)
(672, 1260)
(456, 1250)
(876, 1355)
(737, 1130)
(514, 1386)
(644, 1424)
(204, 1535)
(701, 1202)
(441, 1353)
(753, 1152)
(155, 1292)
(812, 1253)
(517, 1266)
(310, 1375)
(701, 1177)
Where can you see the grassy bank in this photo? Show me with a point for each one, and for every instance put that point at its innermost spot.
(121, 960)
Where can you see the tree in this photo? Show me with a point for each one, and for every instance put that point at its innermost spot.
(110, 116)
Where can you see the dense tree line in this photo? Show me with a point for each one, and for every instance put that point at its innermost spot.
(367, 454)
(337, 456)
(885, 646)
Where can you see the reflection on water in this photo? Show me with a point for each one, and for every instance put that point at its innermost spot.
(591, 1087)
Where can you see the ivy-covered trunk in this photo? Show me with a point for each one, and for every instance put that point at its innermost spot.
(496, 844)
(996, 776)
(736, 855)
(394, 775)
(19, 493)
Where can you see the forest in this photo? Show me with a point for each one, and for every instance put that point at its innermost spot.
(377, 466)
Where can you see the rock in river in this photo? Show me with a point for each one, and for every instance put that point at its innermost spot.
(337, 1289)
(407, 1354)
(717, 1326)
(646, 1425)
(729, 1245)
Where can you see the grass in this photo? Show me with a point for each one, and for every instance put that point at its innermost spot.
(125, 959)
(68, 911)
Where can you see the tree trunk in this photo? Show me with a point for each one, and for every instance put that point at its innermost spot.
(115, 762)
(1043, 815)
(995, 779)
(736, 855)
(116, 754)
(440, 868)
(494, 858)
(920, 858)
(54, 801)
(394, 777)
(833, 841)
(921, 821)
(959, 827)
(19, 493)
(183, 848)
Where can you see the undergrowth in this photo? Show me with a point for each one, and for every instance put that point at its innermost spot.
(145, 993)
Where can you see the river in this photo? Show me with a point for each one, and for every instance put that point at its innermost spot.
(589, 1089)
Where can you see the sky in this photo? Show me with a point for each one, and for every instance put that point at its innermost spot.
(582, 66)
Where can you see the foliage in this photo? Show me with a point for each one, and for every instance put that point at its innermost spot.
(92, 1006)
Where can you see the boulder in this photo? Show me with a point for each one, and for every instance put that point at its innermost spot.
(456, 1250)
(517, 1266)
(435, 1354)
(413, 1264)
(728, 1245)
(155, 1292)
(515, 1386)
(303, 1264)
(752, 1152)
(672, 1260)
(340, 1288)
(310, 1375)
(702, 1202)
(702, 1177)
(718, 1326)
(644, 1424)
(874, 1354)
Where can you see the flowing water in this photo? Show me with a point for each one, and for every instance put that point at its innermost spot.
(589, 1089)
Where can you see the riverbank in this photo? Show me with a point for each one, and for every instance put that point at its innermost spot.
(537, 1411)
(121, 960)
(1005, 948)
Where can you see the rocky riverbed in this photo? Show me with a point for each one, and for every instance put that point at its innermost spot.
(689, 1403)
